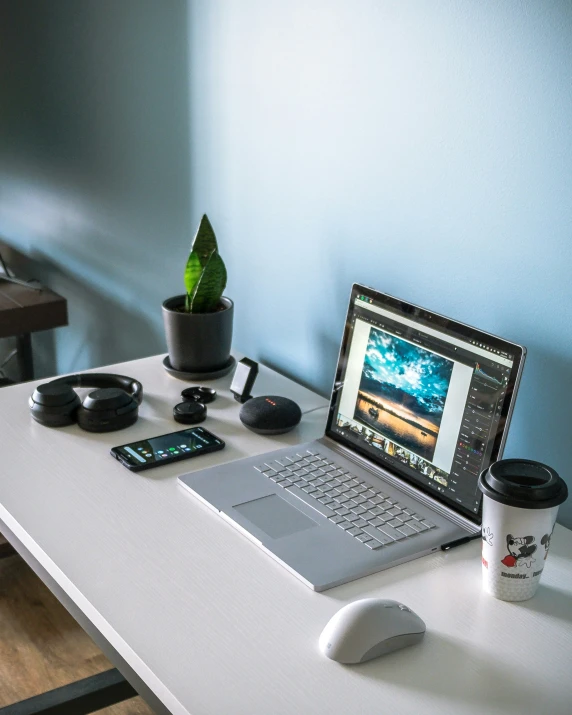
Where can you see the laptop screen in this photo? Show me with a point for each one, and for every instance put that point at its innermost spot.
(423, 396)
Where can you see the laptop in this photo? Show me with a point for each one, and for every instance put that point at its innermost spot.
(420, 406)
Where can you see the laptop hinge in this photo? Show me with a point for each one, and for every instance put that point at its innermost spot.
(404, 487)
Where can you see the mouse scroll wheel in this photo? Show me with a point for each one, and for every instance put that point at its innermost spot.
(404, 608)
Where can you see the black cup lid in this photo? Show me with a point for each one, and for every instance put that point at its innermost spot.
(524, 484)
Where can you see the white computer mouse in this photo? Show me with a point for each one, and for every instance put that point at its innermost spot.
(368, 628)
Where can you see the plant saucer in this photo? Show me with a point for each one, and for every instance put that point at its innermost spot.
(198, 375)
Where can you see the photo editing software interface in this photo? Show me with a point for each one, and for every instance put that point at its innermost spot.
(421, 401)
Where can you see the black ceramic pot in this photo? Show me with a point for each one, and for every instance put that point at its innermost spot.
(198, 342)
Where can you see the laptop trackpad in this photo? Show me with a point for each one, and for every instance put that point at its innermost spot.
(275, 516)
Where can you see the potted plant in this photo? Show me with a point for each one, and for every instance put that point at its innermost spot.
(198, 323)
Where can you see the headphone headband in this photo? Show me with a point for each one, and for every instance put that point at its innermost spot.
(102, 379)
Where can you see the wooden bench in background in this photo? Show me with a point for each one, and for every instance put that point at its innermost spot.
(24, 311)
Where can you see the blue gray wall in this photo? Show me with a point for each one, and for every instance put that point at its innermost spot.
(94, 165)
(422, 147)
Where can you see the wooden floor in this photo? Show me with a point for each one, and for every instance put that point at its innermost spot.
(41, 646)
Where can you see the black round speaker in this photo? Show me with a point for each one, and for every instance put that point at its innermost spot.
(190, 413)
(270, 414)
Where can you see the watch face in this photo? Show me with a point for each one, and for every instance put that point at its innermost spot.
(240, 376)
(244, 377)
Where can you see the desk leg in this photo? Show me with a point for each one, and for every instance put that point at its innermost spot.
(90, 628)
(79, 698)
(24, 357)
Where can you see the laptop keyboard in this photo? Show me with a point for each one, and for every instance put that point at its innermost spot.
(360, 509)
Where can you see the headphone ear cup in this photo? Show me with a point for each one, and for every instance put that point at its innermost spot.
(54, 405)
(107, 409)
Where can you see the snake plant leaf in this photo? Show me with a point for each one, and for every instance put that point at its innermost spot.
(193, 271)
(204, 242)
(211, 284)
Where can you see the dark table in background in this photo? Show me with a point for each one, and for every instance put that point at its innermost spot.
(24, 311)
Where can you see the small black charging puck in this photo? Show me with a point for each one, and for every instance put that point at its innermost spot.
(199, 394)
(190, 413)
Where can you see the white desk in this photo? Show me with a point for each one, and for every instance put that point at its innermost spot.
(202, 621)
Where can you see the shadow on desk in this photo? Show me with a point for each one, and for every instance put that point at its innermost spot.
(387, 583)
(553, 602)
(448, 669)
(548, 600)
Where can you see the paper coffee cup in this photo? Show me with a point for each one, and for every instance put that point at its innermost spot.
(520, 504)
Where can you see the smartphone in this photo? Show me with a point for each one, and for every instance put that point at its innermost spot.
(167, 448)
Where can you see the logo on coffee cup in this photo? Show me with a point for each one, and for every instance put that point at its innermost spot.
(545, 541)
(520, 550)
(487, 535)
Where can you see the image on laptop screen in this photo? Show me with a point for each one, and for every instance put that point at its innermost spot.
(422, 395)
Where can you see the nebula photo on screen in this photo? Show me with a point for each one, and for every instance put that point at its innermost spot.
(402, 392)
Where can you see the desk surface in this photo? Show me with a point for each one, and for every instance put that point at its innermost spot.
(204, 622)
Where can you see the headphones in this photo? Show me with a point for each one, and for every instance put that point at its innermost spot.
(112, 406)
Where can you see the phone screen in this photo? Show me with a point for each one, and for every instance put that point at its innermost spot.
(168, 447)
